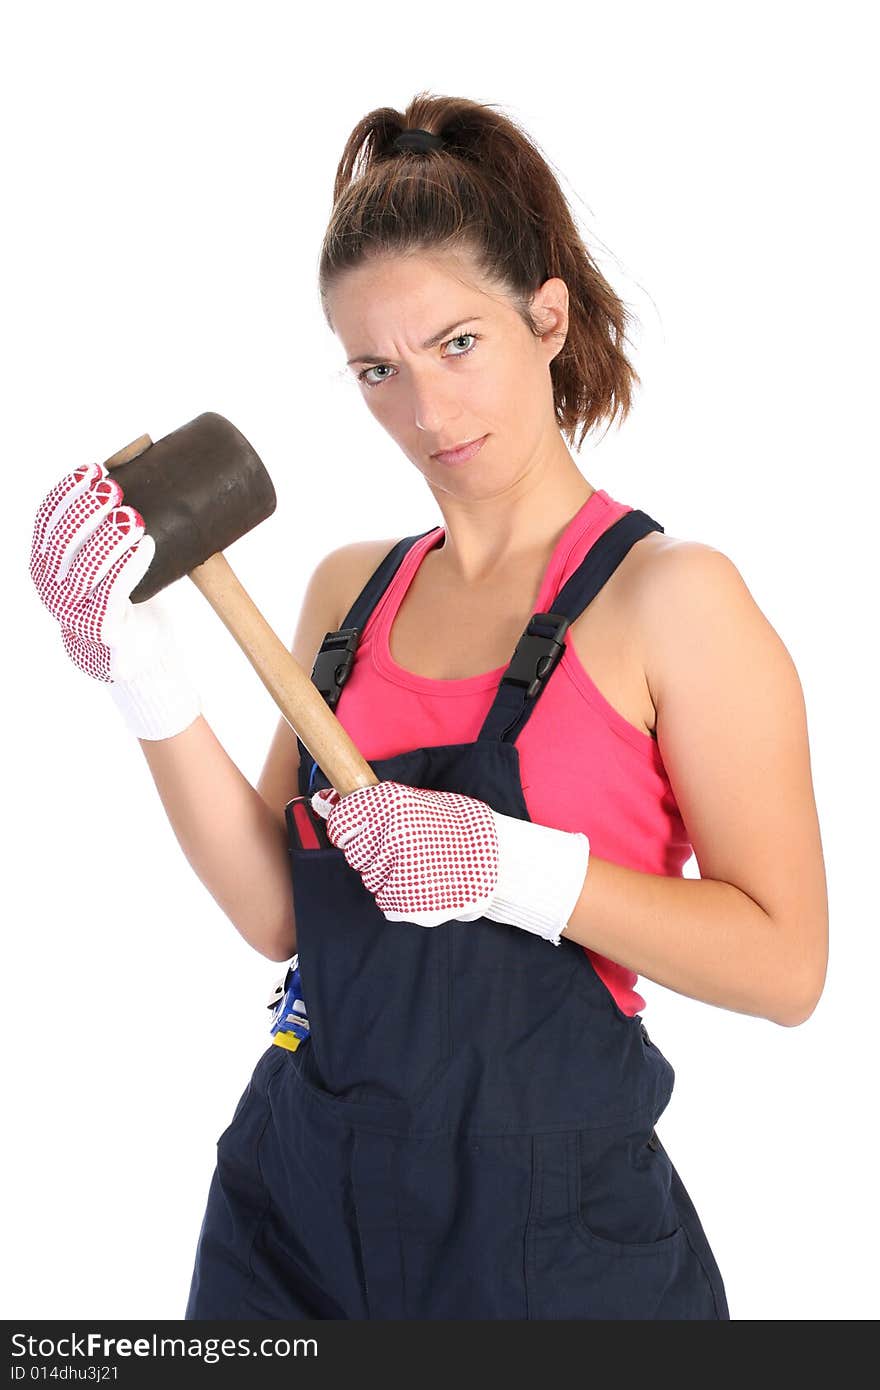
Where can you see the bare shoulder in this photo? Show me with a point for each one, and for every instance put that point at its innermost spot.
(347, 569)
(684, 592)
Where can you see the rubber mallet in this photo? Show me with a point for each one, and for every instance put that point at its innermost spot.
(200, 488)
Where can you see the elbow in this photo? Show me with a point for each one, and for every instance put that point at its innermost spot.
(275, 953)
(801, 1004)
(282, 955)
(277, 945)
(795, 1017)
(804, 971)
(283, 946)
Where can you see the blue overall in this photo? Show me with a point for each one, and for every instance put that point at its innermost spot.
(467, 1129)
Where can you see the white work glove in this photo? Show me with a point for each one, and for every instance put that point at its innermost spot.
(430, 856)
(87, 554)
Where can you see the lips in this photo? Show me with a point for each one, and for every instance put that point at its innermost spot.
(461, 453)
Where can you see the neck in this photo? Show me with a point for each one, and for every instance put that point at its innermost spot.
(487, 536)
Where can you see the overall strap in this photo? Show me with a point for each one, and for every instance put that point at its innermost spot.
(336, 655)
(541, 645)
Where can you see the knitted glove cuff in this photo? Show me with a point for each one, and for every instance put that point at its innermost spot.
(160, 702)
(541, 873)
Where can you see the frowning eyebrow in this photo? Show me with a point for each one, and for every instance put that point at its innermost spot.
(432, 342)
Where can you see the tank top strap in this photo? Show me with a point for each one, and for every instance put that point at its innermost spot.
(335, 657)
(542, 643)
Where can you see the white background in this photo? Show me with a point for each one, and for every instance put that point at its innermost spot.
(167, 174)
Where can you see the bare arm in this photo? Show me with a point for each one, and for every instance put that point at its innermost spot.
(232, 833)
(751, 934)
(235, 844)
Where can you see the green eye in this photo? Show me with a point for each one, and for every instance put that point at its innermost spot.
(458, 339)
(383, 366)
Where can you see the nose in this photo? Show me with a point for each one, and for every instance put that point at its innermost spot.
(435, 408)
(431, 401)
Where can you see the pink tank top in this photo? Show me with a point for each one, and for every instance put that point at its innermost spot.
(583, 766)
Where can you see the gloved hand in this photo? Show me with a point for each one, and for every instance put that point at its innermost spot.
(87, 555)
(428, 856)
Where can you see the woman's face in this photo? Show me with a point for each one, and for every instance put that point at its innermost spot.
(442, 357)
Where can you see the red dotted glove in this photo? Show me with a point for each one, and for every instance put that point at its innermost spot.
(430, 856)
(87, 555)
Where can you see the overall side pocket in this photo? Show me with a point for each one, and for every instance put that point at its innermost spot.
(604, 1238)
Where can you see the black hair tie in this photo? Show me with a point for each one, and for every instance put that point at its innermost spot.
(420, 140)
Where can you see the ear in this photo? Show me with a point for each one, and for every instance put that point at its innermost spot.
(549, 305)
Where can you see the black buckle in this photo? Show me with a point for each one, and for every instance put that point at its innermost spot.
(334, 662)
(537, 653)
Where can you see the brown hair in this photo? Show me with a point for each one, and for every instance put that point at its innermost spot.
(490, 193)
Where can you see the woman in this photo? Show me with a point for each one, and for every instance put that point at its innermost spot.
(560, 703)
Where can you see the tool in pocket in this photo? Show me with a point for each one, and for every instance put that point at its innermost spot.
(290, 1024)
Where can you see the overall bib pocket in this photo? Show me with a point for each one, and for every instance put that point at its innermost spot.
(368, 984)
